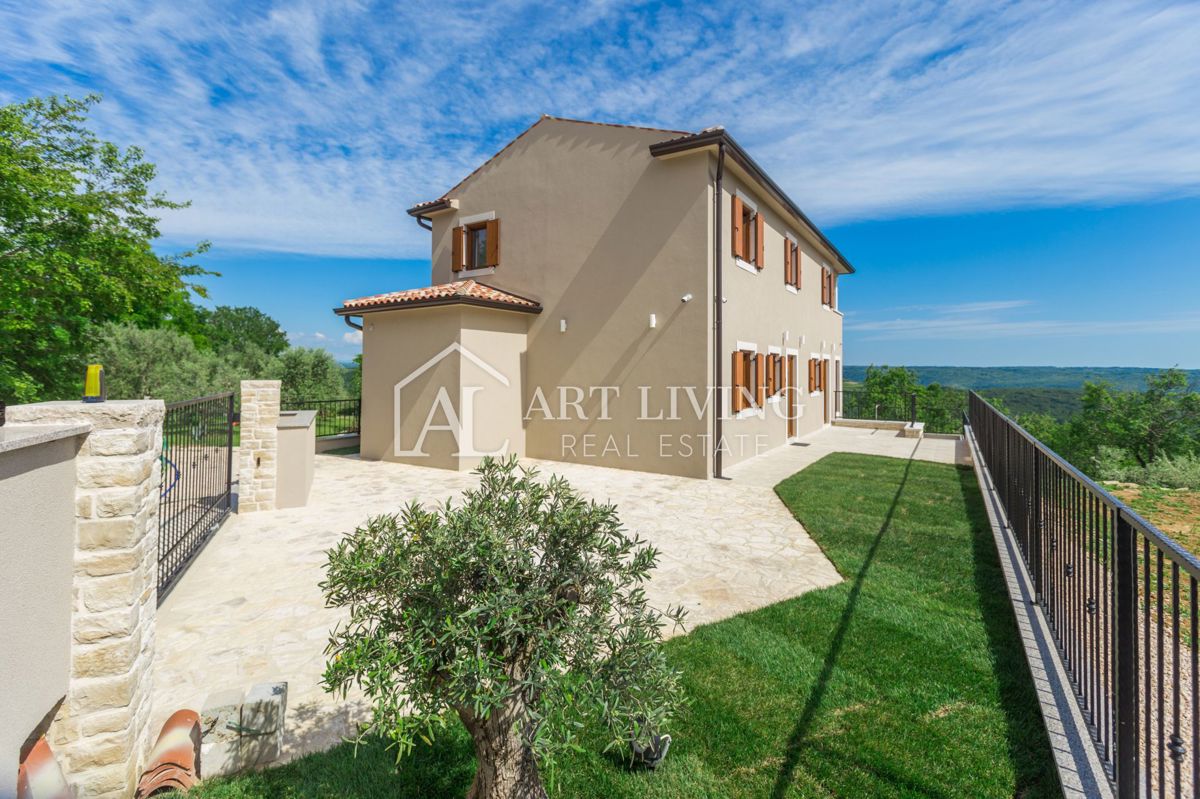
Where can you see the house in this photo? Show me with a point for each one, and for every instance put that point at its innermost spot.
(575, 312)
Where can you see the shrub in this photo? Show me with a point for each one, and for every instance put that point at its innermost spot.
(1180, 471)
(521, 610)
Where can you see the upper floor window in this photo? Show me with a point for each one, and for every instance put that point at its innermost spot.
(748, 232)
(791, 262)
(829, 287)
(475, 244)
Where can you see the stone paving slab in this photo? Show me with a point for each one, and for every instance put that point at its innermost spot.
(249, 610)
(768, 469)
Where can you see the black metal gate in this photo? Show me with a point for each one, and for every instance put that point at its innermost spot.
(195, 495)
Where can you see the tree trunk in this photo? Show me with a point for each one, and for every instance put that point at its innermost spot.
(504, 766)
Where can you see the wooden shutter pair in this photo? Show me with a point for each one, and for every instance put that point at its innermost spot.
(739, 234)
(791, 262)
(458, 247)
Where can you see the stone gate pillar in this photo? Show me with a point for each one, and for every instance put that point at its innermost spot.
(259, 447)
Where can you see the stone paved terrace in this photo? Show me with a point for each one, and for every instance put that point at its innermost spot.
(249, 610)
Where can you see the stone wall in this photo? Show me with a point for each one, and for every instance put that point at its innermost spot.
(258, 451)
(101, 733)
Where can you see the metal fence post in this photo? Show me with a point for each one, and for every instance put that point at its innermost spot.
(229, 455)
(913, 407)
(1126, 678)
(1039, 528)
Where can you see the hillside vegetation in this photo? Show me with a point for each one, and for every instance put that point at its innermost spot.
(1125, 378)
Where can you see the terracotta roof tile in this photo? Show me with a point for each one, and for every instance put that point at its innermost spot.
(468, 291)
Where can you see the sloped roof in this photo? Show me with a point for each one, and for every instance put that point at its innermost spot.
(436, 205)
(466, 292)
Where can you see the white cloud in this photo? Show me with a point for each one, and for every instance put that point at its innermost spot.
(353, 337)
(311, 126)
(954, 327)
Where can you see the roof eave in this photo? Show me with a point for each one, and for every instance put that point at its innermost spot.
(439, 301)
(435, 207)
(710, 138)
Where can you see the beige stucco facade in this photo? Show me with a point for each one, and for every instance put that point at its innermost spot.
(616, 367)
(37, 537)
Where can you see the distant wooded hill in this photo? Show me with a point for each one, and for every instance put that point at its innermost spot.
(987, 377)
(1051, 390)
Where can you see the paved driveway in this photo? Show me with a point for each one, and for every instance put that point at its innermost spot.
(249, 610)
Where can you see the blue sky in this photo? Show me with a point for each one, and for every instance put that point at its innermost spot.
(1017, 183)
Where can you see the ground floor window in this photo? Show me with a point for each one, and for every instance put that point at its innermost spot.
(749, 387)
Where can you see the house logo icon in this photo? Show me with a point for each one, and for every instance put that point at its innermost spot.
(458, 421)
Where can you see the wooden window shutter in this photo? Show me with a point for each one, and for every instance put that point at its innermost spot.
(493, 242)
(738, 400)
(824, 286)
(787, 260)
(812, 375)
(771, 375)
(737, 227)
(759, 229)
(833, 289)
(760, 387)
(456, 249)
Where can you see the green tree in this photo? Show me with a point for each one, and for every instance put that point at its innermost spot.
(76, 225)
(309, 374)
(522, 611)
(353, 377)
(157, 362)
(1162, 420)
(235, 329)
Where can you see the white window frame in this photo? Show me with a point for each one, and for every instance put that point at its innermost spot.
(817, 356)
(787, 234)
(754, 410)
(752, 205)
(777, 396)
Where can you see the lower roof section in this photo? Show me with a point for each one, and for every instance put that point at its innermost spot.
(460, 292)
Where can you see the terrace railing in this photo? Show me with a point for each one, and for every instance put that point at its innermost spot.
(1121, 600)
(862, 404)
(334, 417)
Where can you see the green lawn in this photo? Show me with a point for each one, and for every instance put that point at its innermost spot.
(906, 680)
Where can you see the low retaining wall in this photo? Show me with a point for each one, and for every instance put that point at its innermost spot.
(326, 443)
(101, 733)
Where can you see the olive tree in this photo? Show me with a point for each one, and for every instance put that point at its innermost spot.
(521, 610)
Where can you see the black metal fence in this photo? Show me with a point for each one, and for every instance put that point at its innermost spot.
(941, 411)
(862, 404)
(1121, 599)
(334, 417)
(197, 471)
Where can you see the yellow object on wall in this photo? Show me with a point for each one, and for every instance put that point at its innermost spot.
(93, 384)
